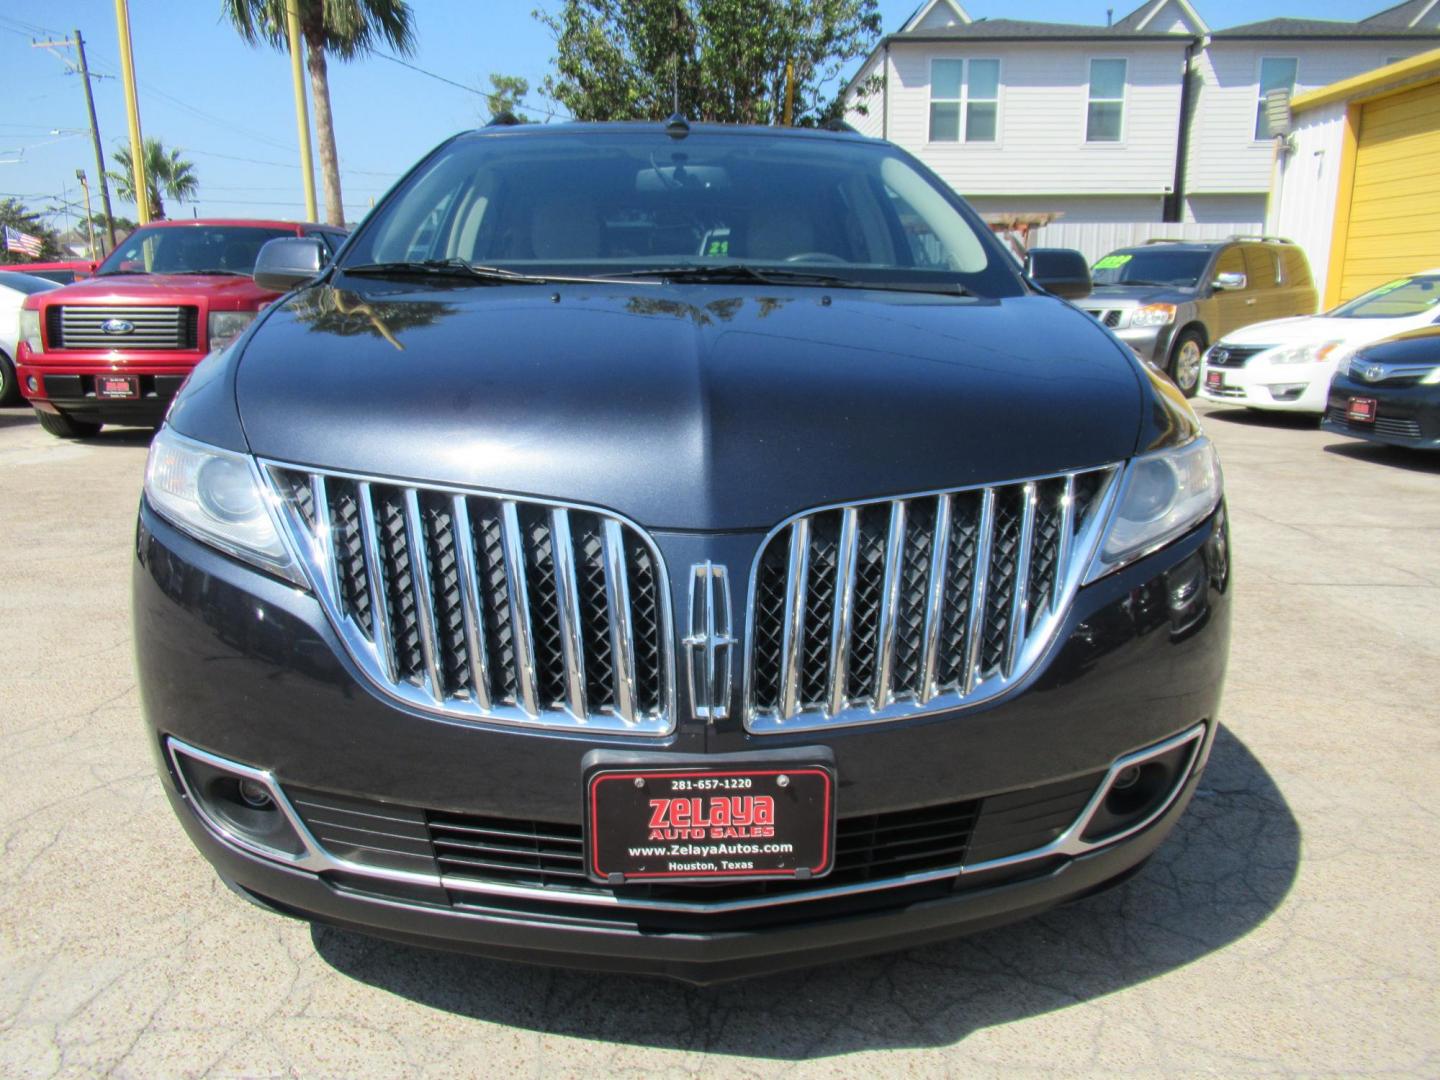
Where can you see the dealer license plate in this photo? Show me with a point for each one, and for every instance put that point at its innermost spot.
(117, 386)
(708, 824)
(1361, 409)
(1214, 379)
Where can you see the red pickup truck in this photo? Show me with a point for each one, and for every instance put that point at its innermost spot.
(114, 348)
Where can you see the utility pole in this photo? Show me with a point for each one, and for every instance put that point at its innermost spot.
(99, 152)
(789, 92)
(132, 110)
(302, 117)
(78, 44)
(89, 217)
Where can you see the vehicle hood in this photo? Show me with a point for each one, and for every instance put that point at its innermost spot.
(1122, 296)
(1304, 329)
(685, 407)
(220, 291)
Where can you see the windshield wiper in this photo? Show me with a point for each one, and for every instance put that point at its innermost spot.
(769, 275)
(226, 273)
(460, 269)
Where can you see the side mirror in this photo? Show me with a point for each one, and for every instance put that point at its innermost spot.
(1228, 282)
(288, 262)
(1060, 271)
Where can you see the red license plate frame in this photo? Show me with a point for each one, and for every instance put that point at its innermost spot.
(117, 387)
(710, 824)
(1214, 380)
(1361, 410)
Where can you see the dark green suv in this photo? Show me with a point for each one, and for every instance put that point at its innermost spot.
(1169, 300)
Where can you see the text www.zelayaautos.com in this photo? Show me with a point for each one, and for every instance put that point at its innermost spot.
(708, 851)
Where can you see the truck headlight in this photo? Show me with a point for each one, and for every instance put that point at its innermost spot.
(217, 497)
(1303, 354)
(30, 329)
(223, 327)
(1153, 315)
(1164, 494)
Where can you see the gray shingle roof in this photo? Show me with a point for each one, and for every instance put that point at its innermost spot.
(1320, 28)
(1401, 15)
(1022, 30)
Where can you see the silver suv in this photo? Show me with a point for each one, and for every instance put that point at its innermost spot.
(1168, 300)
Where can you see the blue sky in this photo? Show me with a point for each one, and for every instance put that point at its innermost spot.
(229, 106)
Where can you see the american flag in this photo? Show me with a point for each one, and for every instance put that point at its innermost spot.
(15, 240)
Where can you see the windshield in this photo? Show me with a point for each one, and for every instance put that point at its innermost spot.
(26, 283)
(1407, 296)
(190, 249)
(623, 201)
(1151, 266)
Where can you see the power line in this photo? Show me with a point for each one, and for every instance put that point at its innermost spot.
(287, 164)
(551, 113)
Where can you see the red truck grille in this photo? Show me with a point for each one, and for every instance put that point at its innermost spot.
(132, 327)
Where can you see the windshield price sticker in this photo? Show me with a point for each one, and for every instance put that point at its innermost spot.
(710, 824)
(1112, 262)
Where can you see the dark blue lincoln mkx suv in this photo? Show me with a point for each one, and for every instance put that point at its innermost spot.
(678, 549)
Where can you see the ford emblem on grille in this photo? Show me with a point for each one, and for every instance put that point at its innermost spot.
(117, 326)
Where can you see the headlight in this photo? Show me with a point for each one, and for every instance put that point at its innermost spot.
(217, 496)
(1153, 315)
(1163, 495)
(1433, 379)
(1303, 354)
(223, 327)
(30, 329)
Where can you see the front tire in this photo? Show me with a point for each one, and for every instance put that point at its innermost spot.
(9, 383)
(65, 427)
(1184, 366)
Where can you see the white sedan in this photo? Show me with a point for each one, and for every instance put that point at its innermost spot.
(1287, 364)
(14, 287)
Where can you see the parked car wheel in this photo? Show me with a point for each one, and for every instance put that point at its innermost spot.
(1185, 357)
(9, 384)
(66, 427)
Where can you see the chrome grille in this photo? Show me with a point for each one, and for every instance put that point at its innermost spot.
(1234, 356)
(79, 327)
(1394, 427)
(886, 609)
(1110, 318)
(486, 607)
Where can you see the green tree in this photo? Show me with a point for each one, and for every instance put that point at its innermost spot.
(725, 60)
(507, 95)
(167, 176)
(18, 216)
(345, 29)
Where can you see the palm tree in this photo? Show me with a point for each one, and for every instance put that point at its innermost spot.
(166, 172)
(346, 29)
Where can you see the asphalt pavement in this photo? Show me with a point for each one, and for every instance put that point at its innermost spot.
(1290, 925)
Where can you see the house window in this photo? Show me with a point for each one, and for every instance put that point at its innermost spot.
(1105, 116)
(1276, 73)
(964, 100)
(946, 82)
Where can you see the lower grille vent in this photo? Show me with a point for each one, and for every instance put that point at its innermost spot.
(485, 607)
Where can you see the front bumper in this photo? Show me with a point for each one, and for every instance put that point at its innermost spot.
(65, 383)
(1298, 388)
(1406, 415)
(1150, 343)
(1122, 676)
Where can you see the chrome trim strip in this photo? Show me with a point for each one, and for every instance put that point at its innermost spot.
(424, 594)
(972, 689)
(309, 570)
(1020, 600)
(322, 543)
(935, 598)
(890, 602)
(1067, 530)
(617, 600)
(979, 582)
(470, 603)
(839, 670)
(375, 578)
(517, 591)
(567, 596)
(318, 860)
(792, 644)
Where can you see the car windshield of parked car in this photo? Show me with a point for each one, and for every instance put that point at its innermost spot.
(191, 249)
(26, 283)
(1394, 300)
(596, 203)
(1154, 266)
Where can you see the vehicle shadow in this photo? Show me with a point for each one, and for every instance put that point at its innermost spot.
(1229, 864)
(1396, 457)
(17, 418)
(1265, 418)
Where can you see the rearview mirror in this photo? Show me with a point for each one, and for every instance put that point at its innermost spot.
(288, 262)
(1228, 282)
(1059, 271)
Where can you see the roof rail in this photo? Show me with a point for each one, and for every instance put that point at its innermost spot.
(1261, 237)
(1166, 240)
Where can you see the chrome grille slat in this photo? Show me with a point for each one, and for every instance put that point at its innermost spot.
(438, 594)
(932, 601)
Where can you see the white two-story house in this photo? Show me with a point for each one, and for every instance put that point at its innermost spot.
(1154, 118)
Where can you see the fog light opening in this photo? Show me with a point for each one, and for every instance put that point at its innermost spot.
(238, 803)
(1138, 791)
(31, 383)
